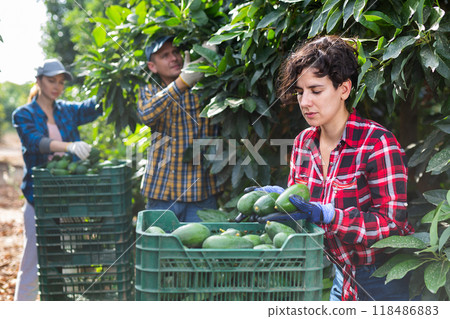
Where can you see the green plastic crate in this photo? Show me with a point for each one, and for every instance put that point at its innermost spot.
(105, 194)
(94, 283)
(165, 270)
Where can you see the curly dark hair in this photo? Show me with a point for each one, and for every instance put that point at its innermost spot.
(329, 55)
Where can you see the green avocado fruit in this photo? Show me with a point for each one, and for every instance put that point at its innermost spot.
(283, 204)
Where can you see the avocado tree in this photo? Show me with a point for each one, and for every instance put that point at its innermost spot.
(403, 82)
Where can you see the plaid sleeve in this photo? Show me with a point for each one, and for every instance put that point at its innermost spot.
(294, 156)
(27, 130)
(387, 178)
(152, 103)
(87, 111)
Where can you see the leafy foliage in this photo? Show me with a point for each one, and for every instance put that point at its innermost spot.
(427, 253)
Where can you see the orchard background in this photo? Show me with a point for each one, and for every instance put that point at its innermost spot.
(403, 84)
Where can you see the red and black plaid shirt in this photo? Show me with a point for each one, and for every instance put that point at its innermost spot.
(366, 182)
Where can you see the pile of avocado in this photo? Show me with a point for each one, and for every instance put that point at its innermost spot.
(197, 235)
(260, 203)
(65, 165)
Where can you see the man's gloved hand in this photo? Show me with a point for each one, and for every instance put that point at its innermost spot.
(80, 149)
(190, 78)
(267, 188)
(311, 211)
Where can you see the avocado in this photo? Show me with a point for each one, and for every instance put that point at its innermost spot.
(230, 231)
(272, 228)
(283, 204)
(155, 230)
(265, 239)
(72, 167)
(255, 239)
(192, 235)
(265, 246)
(246, 202)
(81, 169)
(280, 238)
(226, 242)
(59, 171)
(62, 163)
(265, 205)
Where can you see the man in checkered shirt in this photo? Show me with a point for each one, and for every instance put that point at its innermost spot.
(169, 107)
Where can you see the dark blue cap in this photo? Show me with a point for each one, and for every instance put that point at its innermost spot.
(156, 45)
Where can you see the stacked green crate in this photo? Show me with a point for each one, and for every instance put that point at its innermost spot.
(166, 270)
(85, 234)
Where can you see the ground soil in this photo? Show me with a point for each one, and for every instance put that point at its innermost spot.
(11, 217)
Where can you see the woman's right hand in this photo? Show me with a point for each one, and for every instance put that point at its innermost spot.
(80, 149)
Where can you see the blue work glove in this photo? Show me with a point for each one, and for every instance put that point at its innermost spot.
(311, 211)
(267, 189)
(315, 212)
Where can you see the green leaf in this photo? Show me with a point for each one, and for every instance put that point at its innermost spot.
(429, 58)
(210, 55)
(397, 46)
(435, 18)
(374, 79)
(237, 174)
(348, 10)
(220, 163)
(256, 76)
(444, 238)
(424, 151)
(358, 9)
(175, 9)
(114, 13)
(400, 242)
(317, 24)
(359, 95)
(423, 236)
(199, 18)
(443, 69)
(448, 197)
(439, 161)
(213, 108)
(218, 39)
(249, 104)
(378, 16)
(384, 269)
(242, 126)
(329, 6)
(434, 238)
(373, 26)
(172, 22)
(366, 66)
(428, 218)
(436, 274)
(401, 269)
(435, 196)
(233, 102)
(270, 18)
(335, 17)
(99, 35)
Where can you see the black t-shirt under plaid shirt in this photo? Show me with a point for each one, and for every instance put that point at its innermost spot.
(366, 182)
(174, 119)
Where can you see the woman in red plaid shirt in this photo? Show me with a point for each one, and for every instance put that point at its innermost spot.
(354, 168)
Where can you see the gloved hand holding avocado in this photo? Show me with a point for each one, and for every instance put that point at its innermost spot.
(89, 162)
(277, 204)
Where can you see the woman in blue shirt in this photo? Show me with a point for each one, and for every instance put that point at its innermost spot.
(46, 126)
